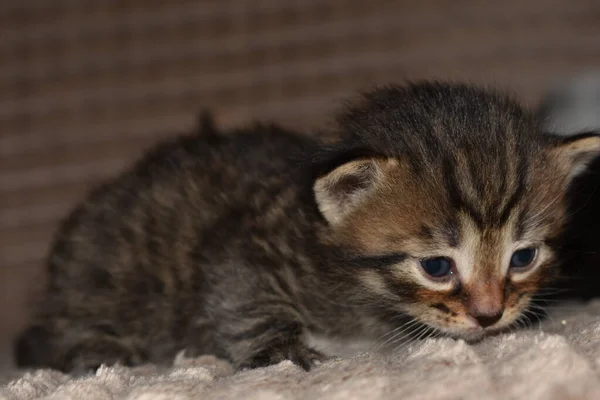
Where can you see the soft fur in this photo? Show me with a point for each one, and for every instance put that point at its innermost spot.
(240, 244)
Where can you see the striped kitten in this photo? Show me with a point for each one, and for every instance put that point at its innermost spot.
(437, 206)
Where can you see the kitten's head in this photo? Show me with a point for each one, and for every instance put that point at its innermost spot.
(445, 200)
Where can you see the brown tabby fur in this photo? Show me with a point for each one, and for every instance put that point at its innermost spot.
(240, 244)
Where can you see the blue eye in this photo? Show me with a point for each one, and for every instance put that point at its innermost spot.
(523, 258)
(437, 267)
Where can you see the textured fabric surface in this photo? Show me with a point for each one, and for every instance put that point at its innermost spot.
(87, 85)
(557, 360)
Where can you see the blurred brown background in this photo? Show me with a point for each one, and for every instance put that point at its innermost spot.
(86, 85)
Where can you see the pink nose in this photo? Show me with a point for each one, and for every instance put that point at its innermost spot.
(485, 320)
(486, 302)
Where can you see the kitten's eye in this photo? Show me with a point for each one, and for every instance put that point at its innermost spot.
(437, 267)
(523, 258)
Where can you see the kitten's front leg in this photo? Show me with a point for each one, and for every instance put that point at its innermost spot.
(266, 339)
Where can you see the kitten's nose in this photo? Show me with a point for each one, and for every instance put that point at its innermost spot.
(485, 320)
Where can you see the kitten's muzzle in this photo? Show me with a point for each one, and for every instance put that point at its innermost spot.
(486, 303)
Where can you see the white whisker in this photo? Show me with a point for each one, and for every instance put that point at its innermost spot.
(394, 333)
(422, 333)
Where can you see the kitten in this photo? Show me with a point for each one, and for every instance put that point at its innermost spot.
(567, 109)
(439, 205)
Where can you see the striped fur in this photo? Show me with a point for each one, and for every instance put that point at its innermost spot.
(240, 244)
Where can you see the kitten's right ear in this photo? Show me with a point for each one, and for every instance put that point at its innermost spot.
(340, 191)
(576, 153)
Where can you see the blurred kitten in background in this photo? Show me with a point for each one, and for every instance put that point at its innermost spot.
(566, 110)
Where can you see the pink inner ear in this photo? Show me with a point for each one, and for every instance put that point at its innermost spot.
(338, 192)
(359, 179)
(578, 154)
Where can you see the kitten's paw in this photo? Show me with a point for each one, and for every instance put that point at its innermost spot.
(86, 358)
(300, 354)
(306, 357)
(84, 365)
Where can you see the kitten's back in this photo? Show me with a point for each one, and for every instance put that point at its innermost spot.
(132, 251)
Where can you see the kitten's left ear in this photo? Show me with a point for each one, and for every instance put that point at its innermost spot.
(576, 153)
(340, 191)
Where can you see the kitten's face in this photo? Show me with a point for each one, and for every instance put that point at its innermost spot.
(462, 270)
(454, 229)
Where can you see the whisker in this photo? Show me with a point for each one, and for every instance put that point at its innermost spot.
(540, 214)
(584, 205)
(552, 291)
(527, 320)
(554, 305)
(513, 326)
(555, 301)
(520, 324)
(421, 335)
(412, 336)
(415, 330)
(394, 333)
(529, 312)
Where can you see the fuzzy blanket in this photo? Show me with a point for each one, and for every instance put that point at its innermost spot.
(559, 359)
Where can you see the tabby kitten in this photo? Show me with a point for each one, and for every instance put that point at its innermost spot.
(437, 204)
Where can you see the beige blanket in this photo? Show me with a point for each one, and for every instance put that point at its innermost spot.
(559, 360)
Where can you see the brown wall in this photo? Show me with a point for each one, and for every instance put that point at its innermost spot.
(86, 85)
